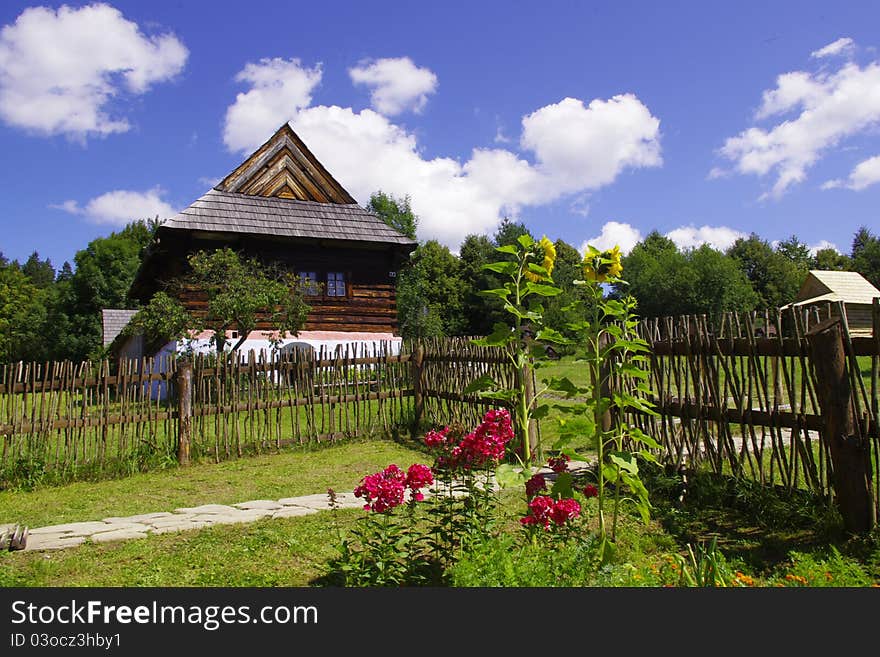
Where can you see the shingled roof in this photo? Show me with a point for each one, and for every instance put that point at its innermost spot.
(219, 211)
(112, 322)
(846, 286)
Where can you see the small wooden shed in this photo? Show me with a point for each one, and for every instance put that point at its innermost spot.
(822, 287)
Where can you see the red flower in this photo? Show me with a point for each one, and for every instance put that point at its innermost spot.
(539, 512)
(559, 463)
(591, 491)
(482, 448)
(436, 438)
(535, 484)
(419, 476)
(383, 490)
(565, 510)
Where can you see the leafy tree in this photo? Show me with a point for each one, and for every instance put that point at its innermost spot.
(655, 270)
(774, 276)
(509, 231)
(866, 255)
(429, 293)
(40, 272)
(830, 260)
(797, 252)
(22, 316)
(241, 293)
(163, 319)
(717, 284)
(666, 281)
(395, 212)
(479, 313)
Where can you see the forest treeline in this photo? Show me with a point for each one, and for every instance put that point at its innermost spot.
(55, 314)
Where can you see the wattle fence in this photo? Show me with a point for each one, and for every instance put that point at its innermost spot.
(742, 396)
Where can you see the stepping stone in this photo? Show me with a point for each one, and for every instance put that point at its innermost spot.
(293, 512)
(72, 528)
(140, 518)
(269, 505)
(182, 527)
(126, 526)
(316, 501)
(53, 542)
(207, 508)
(171, 520)
(233, 518)
(116, 535)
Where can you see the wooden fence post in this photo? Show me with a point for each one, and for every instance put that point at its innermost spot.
(417, 369)
(184, 410)
(850, 451)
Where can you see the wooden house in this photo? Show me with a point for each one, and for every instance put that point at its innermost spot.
(283, 207)
(822, 287)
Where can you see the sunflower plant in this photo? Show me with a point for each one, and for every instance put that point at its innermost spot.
(528, 270)
(617, 361)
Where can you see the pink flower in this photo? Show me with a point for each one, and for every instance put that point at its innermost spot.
(419, 476)
(383, 490)
(591, 491)
(539, 512)
(564, 510)
(559, 463)
(436, 438)
(535, 484)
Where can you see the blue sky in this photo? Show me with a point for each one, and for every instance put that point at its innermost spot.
(589, 121)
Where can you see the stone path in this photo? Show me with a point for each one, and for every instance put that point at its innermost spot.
(57, 537)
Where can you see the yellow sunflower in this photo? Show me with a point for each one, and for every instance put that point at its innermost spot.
(545, 253)
(599, 265)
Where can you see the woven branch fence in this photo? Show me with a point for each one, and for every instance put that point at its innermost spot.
(739, 396)
(743, 397)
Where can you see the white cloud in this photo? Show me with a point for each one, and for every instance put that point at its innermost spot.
(397, 84)
(841, 46)
(278, 89)
(576, 149)
(823, 244)
(60, 69)
(718, 237)
(865, 174)
(120, 207)
(614, 233)
(816, 111)
(580, 147)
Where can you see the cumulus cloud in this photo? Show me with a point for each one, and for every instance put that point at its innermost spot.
(624, 235)
(841, 46)
(61, 69)
(865, 174)
(815, 112)
(822, 244)
(397, 84)
(120, 207)
(278, 89)
(718, 237)
(566, 148)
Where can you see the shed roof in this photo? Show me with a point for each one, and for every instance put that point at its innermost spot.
(219, 211)
(846, 286)
(112, 322)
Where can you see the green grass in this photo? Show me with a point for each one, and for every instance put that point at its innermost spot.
(769, 538)
(298, 471)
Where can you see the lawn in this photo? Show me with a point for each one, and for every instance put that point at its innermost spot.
(767, 538)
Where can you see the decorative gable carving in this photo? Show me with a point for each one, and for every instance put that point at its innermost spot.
(284, 167)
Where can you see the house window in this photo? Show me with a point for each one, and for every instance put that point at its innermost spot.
(335, 284)
(309, 282)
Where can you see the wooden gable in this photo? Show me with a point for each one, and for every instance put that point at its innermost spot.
(284, 167)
